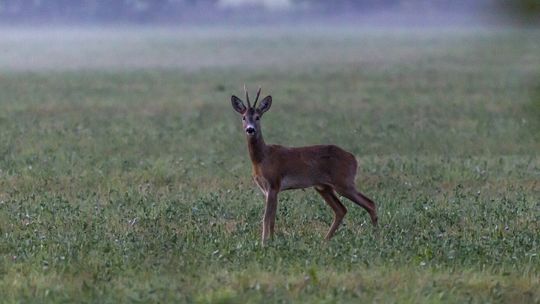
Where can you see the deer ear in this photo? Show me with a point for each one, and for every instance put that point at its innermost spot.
(265, 104)
(238, 105)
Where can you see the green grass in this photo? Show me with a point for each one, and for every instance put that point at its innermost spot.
(127, 178)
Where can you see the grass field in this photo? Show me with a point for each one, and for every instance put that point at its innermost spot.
(124, 173)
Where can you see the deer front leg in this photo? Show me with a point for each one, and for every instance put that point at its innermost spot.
(269, 215)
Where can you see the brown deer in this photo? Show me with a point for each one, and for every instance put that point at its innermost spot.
(328, 168)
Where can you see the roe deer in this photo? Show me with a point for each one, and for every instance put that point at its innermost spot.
(328, 168)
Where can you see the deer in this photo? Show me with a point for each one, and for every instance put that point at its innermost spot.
(275, 168)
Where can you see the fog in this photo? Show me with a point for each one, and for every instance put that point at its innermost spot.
(196, 48)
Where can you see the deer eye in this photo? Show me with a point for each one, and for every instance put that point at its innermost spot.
(257, 118)
(243, 118)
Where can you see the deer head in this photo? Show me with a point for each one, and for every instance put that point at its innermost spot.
(251, 115)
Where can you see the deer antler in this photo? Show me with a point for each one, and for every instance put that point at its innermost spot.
(247, 96)
(257, 97)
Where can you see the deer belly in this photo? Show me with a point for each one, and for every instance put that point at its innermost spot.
(295, 182)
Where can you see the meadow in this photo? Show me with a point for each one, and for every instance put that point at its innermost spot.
(124, 173)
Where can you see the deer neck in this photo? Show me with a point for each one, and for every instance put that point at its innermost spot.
(257, 148)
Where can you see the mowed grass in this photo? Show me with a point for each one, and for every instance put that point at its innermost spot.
(126, 178)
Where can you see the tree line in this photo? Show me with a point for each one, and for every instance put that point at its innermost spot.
(178, 11)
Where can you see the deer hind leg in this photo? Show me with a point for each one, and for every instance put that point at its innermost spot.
(339, 210)
(361, 200)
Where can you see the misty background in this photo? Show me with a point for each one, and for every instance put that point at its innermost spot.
(178, 12)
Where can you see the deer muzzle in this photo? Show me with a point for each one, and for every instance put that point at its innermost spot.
(250, 130)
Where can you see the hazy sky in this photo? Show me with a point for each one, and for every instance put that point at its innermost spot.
(270, 4)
